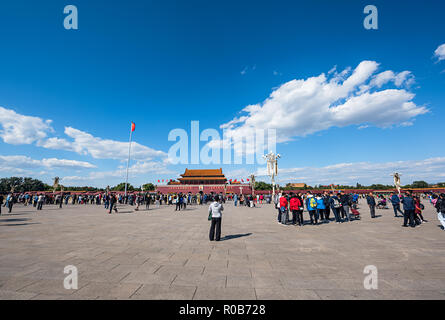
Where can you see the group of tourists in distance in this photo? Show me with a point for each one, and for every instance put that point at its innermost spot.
(344, 207)
(319, 206)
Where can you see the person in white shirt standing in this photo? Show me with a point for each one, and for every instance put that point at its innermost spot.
(40, 202)
(215, 210)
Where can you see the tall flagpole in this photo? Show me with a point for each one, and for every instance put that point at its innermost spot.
(128, 161)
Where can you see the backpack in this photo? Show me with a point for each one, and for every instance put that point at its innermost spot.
(313, 203)
(337, 203)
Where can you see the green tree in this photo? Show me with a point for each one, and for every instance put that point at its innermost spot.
(121, 187)
(148, 187)
(21, 184)
(260, 185)
(419, 184)
(380, 187)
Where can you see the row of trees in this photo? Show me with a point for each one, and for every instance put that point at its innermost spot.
(145, 187)
(19, 184)
(22, 185)
(416, 184)
(28, 184)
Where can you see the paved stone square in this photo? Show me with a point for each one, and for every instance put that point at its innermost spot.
(163, 254)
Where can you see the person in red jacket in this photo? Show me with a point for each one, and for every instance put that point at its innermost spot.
(418, 210)
(294, 206)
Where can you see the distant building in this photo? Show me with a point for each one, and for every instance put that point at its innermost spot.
(204, 180)
(203, 177)
(297, 185)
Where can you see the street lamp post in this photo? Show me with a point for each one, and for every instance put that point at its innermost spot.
(252, 184)
(272, 167)
(397, 182)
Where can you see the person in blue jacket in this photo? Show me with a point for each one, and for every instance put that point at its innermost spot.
(395, 201)
(321, 208)
(409, 207)
(371, 203)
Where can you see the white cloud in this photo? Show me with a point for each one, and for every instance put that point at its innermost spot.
(24, 163)
(239, 174)
(364, 172)
(56, 143)
(137, 172)
(440, 52)
(19, 129)
(87, 144)
(63, 163)
(382, 78)
(302, 107)
(404, 78)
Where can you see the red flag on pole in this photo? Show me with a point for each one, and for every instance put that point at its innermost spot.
(247, 179)
(133, 126)
(159, 181)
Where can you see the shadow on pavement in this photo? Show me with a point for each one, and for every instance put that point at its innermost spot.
(15, 214)
(18, 224)
(14, 220)
(235, 236)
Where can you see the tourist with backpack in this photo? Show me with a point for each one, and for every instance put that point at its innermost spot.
(335, 206)
(311, 205)
(346, 202)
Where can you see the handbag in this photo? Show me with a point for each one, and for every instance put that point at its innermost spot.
(210, 216)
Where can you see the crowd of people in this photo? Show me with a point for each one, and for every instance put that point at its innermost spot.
(319, 206)
(344, 207)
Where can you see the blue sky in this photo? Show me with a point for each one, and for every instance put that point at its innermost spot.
(163, 64)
